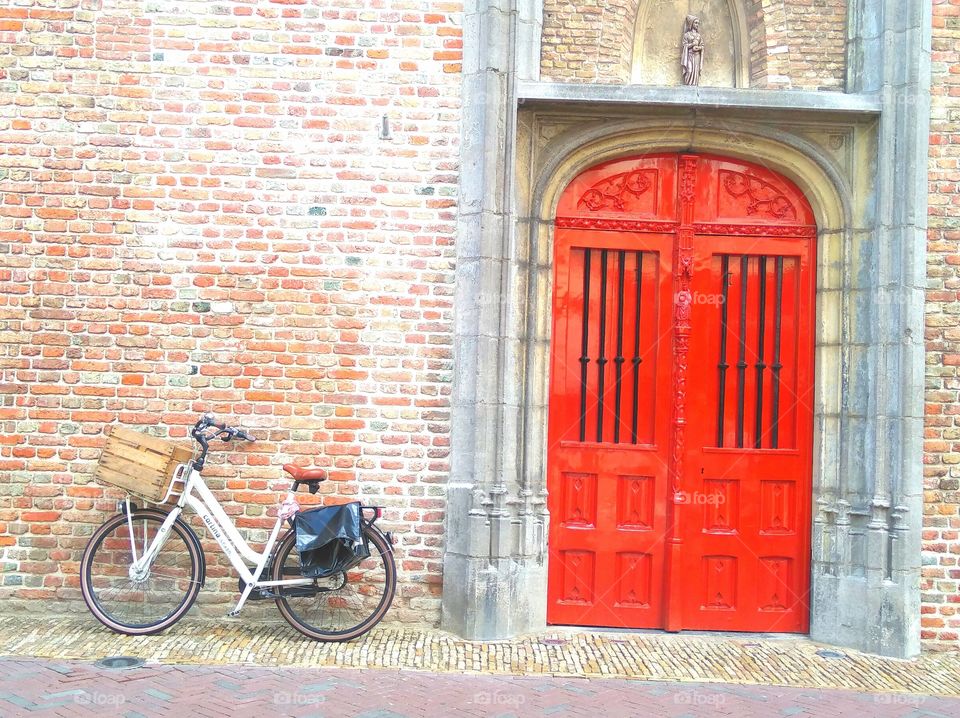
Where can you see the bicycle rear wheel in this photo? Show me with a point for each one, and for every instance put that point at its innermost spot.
(341, 607)
(142, 604)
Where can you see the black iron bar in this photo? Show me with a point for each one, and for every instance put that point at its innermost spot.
(584, 344)
(618, 359)
(602, 359)
(722, 365)
(760, 366)
(741, 362)
(636, 351)
(776, 366)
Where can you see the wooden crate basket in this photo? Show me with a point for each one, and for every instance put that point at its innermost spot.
(143, 465)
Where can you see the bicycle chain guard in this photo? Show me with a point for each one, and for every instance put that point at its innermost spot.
(268, 593)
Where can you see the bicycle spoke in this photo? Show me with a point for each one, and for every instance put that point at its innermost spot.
(154, 571)
(151, 597)
(143, 552)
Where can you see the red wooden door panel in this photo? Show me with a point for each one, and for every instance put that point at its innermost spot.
(746, 534)
(608, 449)
(680, 392)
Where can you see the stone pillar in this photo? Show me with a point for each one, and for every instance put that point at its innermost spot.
(494, 568)
(867, 527)
(529, 31)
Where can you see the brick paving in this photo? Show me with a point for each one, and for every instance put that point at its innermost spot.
(711, 658)
(37, 688)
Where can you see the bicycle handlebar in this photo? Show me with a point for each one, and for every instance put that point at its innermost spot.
(208, 420)
(226, 433)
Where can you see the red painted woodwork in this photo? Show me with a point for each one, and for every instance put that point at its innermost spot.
(680, 436)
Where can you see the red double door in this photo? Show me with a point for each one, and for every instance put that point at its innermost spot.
(681, 393)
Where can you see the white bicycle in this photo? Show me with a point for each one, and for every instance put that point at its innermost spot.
(143, 568)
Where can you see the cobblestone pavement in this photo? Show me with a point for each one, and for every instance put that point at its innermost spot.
(37, 688)
(702, 658)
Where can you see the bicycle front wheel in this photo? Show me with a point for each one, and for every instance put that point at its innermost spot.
(341, 607)
(145, 602)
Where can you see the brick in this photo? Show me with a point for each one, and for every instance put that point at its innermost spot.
(40, 516)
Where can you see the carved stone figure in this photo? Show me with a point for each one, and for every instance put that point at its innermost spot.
(691, 57)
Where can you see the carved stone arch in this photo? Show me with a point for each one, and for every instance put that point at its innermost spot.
(841, 198)
(655, 58)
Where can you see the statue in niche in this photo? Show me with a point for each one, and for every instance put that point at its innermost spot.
(691, 57)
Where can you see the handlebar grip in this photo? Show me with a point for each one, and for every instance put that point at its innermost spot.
(209, 419)
(244, 435)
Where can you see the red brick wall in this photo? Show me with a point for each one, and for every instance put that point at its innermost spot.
(590, 41)
(940, 585)
(804, 45)
(197, 213)
(757, 32)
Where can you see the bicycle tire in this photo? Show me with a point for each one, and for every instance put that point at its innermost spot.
(89, 591)
(381, 551)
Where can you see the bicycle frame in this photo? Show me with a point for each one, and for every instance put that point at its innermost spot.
(198, 497)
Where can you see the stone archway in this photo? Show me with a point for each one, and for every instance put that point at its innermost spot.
(866, 515)
(860, 547)
(861, 165)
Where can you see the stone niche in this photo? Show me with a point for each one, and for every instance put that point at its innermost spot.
(656, 48)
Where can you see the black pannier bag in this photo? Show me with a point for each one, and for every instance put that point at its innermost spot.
(330, 539)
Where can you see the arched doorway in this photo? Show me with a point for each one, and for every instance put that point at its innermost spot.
(681, 397)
